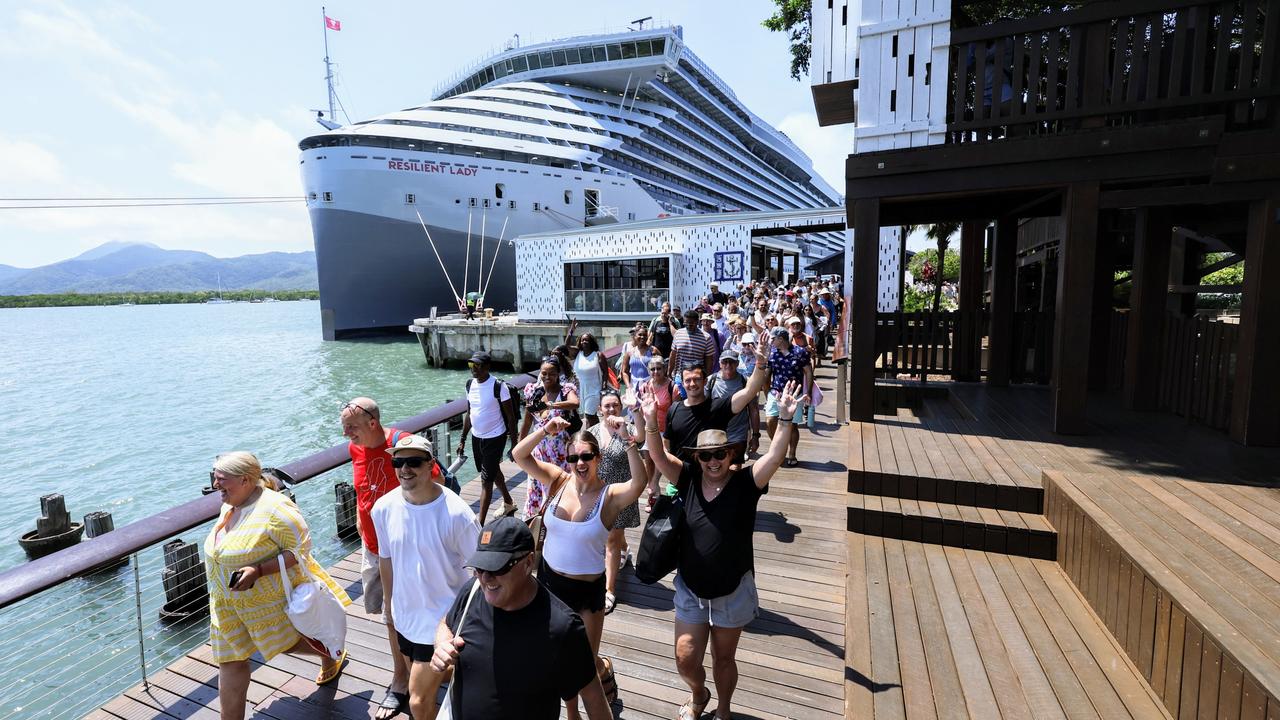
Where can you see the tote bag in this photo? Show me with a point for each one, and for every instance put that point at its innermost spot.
(313, 609)
(660, 542)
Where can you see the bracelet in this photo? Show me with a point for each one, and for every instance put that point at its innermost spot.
(652, 431)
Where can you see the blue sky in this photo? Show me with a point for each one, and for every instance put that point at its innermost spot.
(115, 99)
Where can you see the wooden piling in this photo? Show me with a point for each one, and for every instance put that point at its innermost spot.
(344, 510)
(185, 590)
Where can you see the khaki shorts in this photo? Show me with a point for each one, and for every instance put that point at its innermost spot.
(371, 582)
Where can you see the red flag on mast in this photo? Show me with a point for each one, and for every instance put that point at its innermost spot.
(332, 24)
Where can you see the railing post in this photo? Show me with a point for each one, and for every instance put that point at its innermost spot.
(842, 391)
(137, 606)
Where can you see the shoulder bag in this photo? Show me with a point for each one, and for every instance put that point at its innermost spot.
(660, 542)
(446, 707)
(314, 610)
(536, 524)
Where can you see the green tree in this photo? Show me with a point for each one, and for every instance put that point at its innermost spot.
(794, 17)
(941, 233)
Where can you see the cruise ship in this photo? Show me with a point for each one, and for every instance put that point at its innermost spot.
(606, 128)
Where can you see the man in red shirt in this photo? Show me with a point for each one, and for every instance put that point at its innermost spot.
(374, 477)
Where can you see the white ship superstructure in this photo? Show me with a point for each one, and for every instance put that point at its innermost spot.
(581, 131)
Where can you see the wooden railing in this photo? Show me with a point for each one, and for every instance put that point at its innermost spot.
(915, 343)
(1197, 378)
(1119, 62)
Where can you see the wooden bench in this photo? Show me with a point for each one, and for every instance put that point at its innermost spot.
(1186, 575)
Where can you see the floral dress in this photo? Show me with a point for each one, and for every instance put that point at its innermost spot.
(242, 622)
(552, 448)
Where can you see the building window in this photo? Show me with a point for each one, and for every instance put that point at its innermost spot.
(631, 285)
(568, 197)
(410, 198)
(328, 197)
(498, 190)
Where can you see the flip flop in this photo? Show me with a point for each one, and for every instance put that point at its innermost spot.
(610, 602)
(692, 709)
(327, 676)
(396, 702)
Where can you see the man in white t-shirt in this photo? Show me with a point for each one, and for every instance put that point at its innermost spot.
(425, 535)
(491, 420)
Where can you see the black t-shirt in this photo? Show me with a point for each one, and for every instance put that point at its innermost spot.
(716, 547)
(518, 664)
(684, 422)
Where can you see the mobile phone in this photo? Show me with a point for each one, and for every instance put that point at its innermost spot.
(235, 578)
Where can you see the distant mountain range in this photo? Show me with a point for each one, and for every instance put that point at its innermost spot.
(143, 267)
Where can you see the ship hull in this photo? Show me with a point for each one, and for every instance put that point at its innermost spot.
(379, 274)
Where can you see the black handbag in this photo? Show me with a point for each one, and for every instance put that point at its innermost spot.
(660, 541)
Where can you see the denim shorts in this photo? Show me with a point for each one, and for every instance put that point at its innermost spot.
(773, 409)
(734, 610)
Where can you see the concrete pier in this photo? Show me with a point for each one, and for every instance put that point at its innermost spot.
(452, 339)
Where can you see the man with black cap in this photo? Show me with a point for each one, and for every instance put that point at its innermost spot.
(515, 648)
(715, 583)
(491, 420)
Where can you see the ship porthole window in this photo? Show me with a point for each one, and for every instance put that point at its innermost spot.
(568, 197)
(511, 204)
(499, 189)
(311, 196)
(486, 202)
(473, 202)
(457, 201)
(410, 199)
(328, 197)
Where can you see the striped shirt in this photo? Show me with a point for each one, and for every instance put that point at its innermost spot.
(691, 347)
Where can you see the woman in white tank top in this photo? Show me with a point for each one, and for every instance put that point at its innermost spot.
(581, 510)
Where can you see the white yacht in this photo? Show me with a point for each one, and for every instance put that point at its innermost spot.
(581, 131)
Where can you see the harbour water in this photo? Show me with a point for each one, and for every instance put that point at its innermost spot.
(123, 409)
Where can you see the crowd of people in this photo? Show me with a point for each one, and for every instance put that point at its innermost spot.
(508, 605)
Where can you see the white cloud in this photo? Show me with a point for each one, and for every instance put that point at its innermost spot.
(826, 146)
(204, 148)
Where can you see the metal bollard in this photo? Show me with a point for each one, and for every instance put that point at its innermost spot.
(186, 593)
(344, 510)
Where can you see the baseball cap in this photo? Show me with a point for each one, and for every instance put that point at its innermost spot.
(501, 541)
(729, 355)
(795, 320)
(412, 442)
(777, 332)
(748, 338)
(824, 291)
(706, 316)
(481, 357)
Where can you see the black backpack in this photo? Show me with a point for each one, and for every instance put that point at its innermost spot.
(517, 399)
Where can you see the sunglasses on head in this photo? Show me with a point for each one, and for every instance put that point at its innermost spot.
(354, 406)
(709, 455)
(502, 570)
(412, 462)
(584, 457)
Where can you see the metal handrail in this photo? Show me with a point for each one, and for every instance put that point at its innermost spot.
(24, 581)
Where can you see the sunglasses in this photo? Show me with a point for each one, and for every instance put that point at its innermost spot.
(709, 455)
(502, 570)
(584, 457)
(412, 462)
(353, 406)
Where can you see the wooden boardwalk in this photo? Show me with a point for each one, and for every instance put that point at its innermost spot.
(791, 658)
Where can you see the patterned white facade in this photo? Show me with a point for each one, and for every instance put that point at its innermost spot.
(902, 52)
(691, 244)
(834, 50)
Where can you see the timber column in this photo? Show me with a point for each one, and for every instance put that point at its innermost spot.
(1074, 308)
(862, 300)
(1004, 299)
(1255, 407)
(1147, 308)
(968, 351)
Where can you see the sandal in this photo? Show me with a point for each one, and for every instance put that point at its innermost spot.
(327, 676)
(396, 702)
(692, 709)
(610, 602)
(610, 683)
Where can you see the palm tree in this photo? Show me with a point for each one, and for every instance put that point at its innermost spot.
(940, 233)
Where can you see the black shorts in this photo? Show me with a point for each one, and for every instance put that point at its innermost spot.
(416, 652)
(488, 456)
(579, 595)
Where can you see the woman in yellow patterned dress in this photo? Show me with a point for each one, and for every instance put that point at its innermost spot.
(256, 525)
